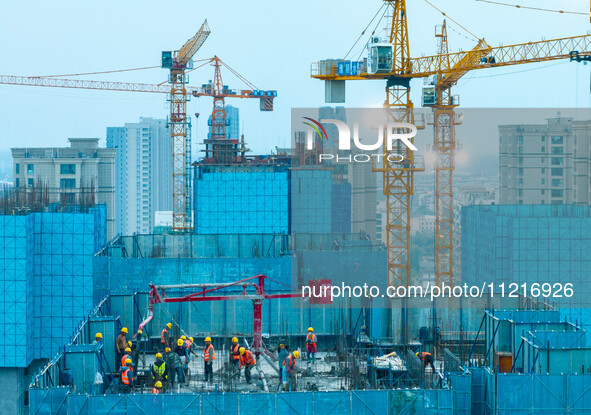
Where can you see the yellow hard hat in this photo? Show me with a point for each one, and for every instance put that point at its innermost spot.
(128, 361)
(417, 354)
(158, 355)
(242, 350)
(169, 326)
(208, 339)
(139, 331)
(184, 337)
(124, 330)
(296, 354)
(167, 350)
(310, 329)
(190, 338)
(281, 345)
(129, 343)
(158, 384)
(98, 336)
(234, 340)
(127, 349)
(179, 342)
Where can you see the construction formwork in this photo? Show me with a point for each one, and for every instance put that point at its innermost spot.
(241, 199)
(529, 244)
(47, 279)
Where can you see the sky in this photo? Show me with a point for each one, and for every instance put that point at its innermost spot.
(270, 43)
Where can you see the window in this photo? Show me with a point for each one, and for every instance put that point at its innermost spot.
(556, 192)
(30, 168)
(543, 138)
(520, 139)
(543, 202)
(521, 171)
(543, 191)
(557, 172)
(520, 192)
(543, 181)
(557, 150)
(557, 182)
(520, 160)
(29, 182)
(17, 183)
(557, 161)
(67, 169)
(543, 160)
(557, 139)
(17, 168)
(520, 150)
(543, 149)
(520, 182)
(67, 183)
(543, 170)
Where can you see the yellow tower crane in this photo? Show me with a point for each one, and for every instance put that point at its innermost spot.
(391, 61)
(178, 62)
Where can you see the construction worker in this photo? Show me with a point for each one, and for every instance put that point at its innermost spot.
(126, 356)
(180, 350)
(157, 388)
(158, 369)
(426, 358)
(98, 338)
(247, 362)
(289, 371)
(127, 376)
(281, 355)
(121, 344)
(235, 356)
(165, 336)
(208, 358)
(175, 365)
(189, 348)
(311, 345)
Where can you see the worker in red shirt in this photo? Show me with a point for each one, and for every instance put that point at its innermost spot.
(208, 358)
(311, 345)
(427, 358)
(247, 362)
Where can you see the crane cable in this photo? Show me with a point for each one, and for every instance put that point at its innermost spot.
(95, 73)
(366, 27)
(372, 33)
(532, 8)
(443, 13)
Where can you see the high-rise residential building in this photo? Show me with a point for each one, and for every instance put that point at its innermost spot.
(83, 170)
(232, 123)
(546, 163)
(143, 173)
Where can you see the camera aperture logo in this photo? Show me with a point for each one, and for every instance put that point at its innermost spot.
(395, 135)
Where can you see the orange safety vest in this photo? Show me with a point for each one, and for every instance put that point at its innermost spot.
(188, 343)
(247, 359)
(162, 338)
(424, 354)
(155, 390)
(124, 358)
(291, 363)
(235, 351)
(125, 377)
(206, 355)
(312, 338)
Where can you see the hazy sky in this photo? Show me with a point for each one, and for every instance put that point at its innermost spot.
(270, 43)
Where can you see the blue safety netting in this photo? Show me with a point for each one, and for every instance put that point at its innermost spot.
(418, 402)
